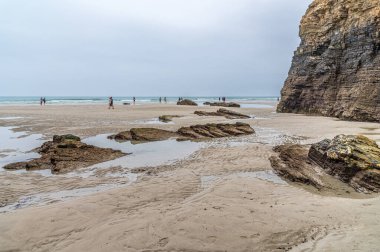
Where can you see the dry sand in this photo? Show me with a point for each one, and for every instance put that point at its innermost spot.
(224, 197)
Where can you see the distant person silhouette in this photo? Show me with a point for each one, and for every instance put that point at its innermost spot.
(110, 103)
(134, 100)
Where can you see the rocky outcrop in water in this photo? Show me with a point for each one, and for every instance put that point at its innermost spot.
(223, 104)
(293, 164)
(223, 112)
(336, 69)
(212, 130)
(187, 102)
(143, 135)
(354, 160)
(66, 153)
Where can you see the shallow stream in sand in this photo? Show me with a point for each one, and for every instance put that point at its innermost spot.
(18, 146)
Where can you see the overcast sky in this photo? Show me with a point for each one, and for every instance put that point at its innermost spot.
(147, 47)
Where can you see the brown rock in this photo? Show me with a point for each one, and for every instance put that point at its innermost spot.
(167, 118)
(293, 165)
(336, 69)
(187, 102)
(223, 112)
(354, 159)
(186, 133)
(223, 104)
(66, 153)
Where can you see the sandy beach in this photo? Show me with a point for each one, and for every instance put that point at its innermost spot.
(215, 195)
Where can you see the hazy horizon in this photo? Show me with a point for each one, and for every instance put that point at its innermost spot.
(147, 47)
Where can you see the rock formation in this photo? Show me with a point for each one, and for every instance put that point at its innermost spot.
(215, 131)
(187, 102)
(336, 69)
(167, 118)
(66, 153)
(223, 112)
(223, 104)
(143, 135)
(293, 165)
(354, 160)
(185, 133)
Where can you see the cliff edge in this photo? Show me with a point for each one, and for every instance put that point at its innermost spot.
(336, 69)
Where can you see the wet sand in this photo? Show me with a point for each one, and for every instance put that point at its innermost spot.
(219, 196)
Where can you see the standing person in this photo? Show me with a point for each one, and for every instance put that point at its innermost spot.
(219, 99)
(110, 103)
(160, 100)
(134, 100)
(44, 100)
(165, 99)
(41, 101)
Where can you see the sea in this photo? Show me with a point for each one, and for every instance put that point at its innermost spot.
(62, 100)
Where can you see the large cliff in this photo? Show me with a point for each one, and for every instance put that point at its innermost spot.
(336, 69)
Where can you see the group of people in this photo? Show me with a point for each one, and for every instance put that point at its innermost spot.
(160, 100)
(42, 101)
(223, 99)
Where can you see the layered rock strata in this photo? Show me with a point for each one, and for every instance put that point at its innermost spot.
(223, 104)
(187, 102)
(336, 69)
(223, 112)
(354, 160)
(66, 153)
(195, 132)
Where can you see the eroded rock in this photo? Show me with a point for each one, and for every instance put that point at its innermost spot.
(223, 104)
(223, 112)
(336, 69)
(66, 153)
(215, 130)
(167, 118)
(187, 102)
(144, 135)
(211, 130)
(293, 164)
(354, 159)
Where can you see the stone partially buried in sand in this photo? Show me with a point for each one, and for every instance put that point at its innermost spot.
(143, 135)
(185, 133)
(229, 114)
(66, 153)
(223, 104)
(354, 159)
(167, 118)
(187, 102)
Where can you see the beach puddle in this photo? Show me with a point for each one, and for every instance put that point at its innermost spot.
(17, 146)
(144, 154)
(64, 195)
(11, 118)
(269, 176)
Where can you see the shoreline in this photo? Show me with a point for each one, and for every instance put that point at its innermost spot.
(222, 196)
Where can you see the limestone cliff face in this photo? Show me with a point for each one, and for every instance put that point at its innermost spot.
(336, 69)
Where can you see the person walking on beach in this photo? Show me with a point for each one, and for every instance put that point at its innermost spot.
(110, 103)
(160, 99)
(134, 100)
(165, 100)
(44, 100)
(41, 101)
